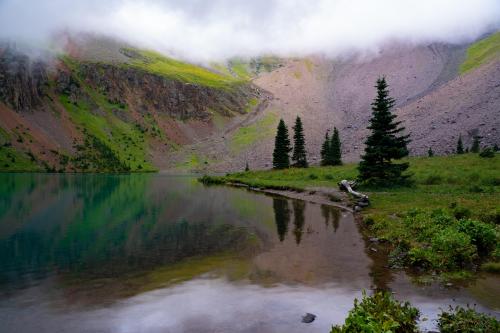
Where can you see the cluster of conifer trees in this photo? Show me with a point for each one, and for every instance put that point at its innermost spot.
(331, 153)
(383, 145)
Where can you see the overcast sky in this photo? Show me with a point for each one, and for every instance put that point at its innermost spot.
(205, 30)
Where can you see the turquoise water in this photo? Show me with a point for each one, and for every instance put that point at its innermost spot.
(158, 253)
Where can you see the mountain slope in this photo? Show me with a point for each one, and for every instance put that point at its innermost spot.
(106, 106)
(74, 114)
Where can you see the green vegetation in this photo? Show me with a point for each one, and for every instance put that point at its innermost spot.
(481, 52)
(12, 160)
(121, 145)
(383, 144)
(249, 135)
(281, 158)
(240, 68)
(154, 62)
(380, 313)
(299, 145)
(438, 241)
(466, 320)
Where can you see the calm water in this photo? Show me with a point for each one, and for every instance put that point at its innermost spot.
(157, 253)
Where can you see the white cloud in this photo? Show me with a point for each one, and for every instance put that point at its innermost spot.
(214, 29)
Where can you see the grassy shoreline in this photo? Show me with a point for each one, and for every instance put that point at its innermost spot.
(452, 206)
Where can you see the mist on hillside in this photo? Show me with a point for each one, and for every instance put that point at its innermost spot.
(202, 30)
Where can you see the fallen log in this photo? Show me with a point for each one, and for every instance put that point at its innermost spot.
(345, 185)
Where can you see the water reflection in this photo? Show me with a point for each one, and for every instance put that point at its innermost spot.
(154, 253)
(281, 216)
(331, 212)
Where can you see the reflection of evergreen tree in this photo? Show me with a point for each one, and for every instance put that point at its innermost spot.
(281, 216)
(298, 219)
(325, 212)
(335, 213)
(331, 213)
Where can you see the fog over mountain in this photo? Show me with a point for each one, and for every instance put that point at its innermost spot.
(210, 30)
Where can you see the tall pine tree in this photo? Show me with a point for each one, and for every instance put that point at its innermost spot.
(384, 143)
(325, 151)
(281, 159)
(299, 145)
(335, 147)
(460, 145)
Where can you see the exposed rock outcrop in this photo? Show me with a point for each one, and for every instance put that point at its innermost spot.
(23, 81)
(148, 92)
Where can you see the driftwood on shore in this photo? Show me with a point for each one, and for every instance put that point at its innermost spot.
(348, 186)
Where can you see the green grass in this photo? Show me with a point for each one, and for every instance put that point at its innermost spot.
(481, 52)
(125, 140)
(249, 135)
(240, 68)
(154, 62)
(12, 160)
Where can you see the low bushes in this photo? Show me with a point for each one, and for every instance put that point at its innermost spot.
(466, 320)
(439, 241)
(380, 313)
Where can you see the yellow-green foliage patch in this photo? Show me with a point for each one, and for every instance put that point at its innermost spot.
(154, 62)
(252, 103)
(247, 136)
(481, 52)
(125, 140)
(12, 160)
(240, 68)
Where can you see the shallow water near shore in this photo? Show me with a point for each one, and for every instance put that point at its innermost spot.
(162, 253)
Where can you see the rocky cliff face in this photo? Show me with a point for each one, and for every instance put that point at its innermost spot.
(23, 82)
(147, 93)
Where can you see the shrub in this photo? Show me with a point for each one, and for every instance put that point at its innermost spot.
(313, 176)
(466, 320)
(492, 216)
(433, 180)
(487, 153)
(455, 249)
(476, 189)
(380, 313)
(461, 212)
(482, 235)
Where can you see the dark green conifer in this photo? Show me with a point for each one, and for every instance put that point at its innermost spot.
(299, 145)
(430, 152)
(476, 142)
(495, 148)
(325, 151)
(460, 145)
(281, 159)
(384, 144)
(335, 147)
(247, 168)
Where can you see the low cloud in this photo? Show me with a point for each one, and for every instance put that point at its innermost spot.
(203, 30)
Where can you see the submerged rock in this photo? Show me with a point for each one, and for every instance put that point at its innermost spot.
(308, 318)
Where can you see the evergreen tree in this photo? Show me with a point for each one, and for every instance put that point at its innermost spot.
(325, 151)
(299, 150)
(281, 159)
(476, 142)
(384, 143)
(460, 145)
(247, 168)
(430, 153)
(336, 151)
(495, 148)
